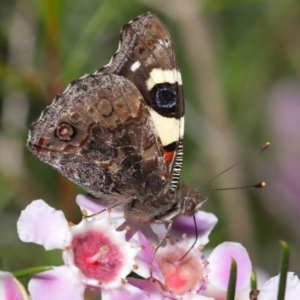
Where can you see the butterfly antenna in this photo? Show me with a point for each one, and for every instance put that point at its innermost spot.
(255, 186)
(260, 149)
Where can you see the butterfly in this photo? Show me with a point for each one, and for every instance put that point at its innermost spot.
(118, 133)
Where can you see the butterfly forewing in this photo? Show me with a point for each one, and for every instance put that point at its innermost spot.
(147, 58)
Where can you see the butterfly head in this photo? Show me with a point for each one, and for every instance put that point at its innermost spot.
(191, 202)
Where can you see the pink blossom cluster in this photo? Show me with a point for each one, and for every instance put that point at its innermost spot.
(106, 254)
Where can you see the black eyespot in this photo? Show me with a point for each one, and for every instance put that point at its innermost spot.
(165, 97)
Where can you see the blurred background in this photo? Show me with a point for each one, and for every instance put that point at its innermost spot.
(240, 63)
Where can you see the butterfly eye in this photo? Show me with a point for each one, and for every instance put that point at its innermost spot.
(192, 203)
(65, 132)
(189, 206)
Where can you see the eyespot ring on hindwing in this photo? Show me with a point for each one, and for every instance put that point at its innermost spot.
(65, 132)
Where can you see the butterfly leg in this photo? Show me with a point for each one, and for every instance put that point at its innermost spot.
(159, 244)
(108, 209)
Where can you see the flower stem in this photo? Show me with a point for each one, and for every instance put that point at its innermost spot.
(283, 270)
(253, 281)
(232, 281)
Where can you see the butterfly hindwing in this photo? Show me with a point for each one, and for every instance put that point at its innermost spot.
(99, 134)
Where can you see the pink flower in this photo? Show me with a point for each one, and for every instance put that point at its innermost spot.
(95, 254)
(189, 277)
(182, 277)
(11, 288)
(99, 257)
(270, 288)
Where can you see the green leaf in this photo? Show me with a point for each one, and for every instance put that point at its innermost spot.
(253, 281)
(232, 281)
(283, 270)
(31, 271)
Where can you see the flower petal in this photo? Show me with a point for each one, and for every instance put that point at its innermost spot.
(190, 297)
(126, 291)
(220, 263)
(149, 287)
(59, 284)
(41, 224)
(144, 257)
(205, 224)
(10, 288)
(92, 206)
(199, 297)
(159, 229)
(270, 288)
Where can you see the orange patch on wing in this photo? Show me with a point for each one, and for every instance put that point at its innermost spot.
(41, 142)
(68, 148)
(169, 156)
